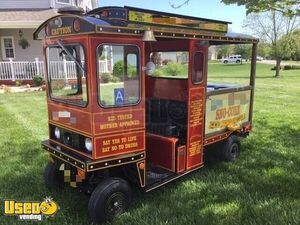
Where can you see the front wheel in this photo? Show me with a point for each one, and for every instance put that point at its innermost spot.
(231, 149)
(53, 176)
(109, 199)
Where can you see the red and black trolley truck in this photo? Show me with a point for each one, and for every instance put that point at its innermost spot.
(129, 103)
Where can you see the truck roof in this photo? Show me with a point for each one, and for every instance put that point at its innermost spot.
(135, 21)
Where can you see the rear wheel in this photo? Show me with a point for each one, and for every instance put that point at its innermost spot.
(238, 61)
(230, 150)
(53, 177)
(225, 61)
(109, 199)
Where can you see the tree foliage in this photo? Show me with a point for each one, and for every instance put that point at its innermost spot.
(275, 29)
(287, 7)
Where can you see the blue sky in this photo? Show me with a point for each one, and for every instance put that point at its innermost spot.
(212, 9)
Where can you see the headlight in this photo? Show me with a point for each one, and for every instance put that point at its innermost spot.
(57, 132)
(88, 144)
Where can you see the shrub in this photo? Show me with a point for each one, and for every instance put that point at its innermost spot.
(157, 73)
(274, 68)
(19, 83)
(38, 80)
(115, 79)
(119, 70)
(106, 77)
(291, 67)
(173, 69)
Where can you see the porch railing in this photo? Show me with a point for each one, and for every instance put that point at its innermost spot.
(27, 70)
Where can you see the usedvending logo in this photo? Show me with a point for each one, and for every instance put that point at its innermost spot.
(31, 210)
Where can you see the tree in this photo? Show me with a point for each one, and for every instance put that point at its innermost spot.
(243, 50)
(224, 51)
(264, 49)
(295, 43)
(270, 27)
(289, 8)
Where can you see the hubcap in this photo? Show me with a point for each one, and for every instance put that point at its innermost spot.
(234, 150)
(115, 204)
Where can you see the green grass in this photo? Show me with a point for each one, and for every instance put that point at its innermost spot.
(262, 187)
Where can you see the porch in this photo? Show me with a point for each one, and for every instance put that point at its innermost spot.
(12, 71)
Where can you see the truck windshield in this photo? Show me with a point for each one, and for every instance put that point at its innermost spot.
(66, 73)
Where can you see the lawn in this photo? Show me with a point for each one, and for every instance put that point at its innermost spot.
(262, 187)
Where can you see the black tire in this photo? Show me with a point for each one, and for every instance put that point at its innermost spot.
(238, 61)
(231, 149)
(110, 198)
(53, 177)
(225, 62)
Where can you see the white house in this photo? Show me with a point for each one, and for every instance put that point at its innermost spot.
(18, 20)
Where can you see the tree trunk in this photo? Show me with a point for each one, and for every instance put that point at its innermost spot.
(278, 61)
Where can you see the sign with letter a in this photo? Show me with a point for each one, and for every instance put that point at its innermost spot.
(119, 96)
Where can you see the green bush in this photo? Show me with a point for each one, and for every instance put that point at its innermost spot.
(291, 67)
(115, 79)
(274, 68)
(157, 73)
(38, 80)
(119, 70)
(173, 69)
(106, 77)
(19, 83)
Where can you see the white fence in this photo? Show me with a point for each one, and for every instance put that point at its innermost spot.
(24, 70)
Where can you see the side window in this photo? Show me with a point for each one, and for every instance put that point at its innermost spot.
(170, 64)
(197, 70)
(118, 75)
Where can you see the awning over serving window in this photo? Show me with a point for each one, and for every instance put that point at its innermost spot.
(24, 18)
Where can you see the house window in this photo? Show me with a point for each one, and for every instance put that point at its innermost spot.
(68, 2)
(8, 47)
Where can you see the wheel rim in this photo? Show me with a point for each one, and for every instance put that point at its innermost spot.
(234, 150)
(115, 204)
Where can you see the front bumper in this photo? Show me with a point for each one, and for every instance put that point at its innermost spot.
(88, 164)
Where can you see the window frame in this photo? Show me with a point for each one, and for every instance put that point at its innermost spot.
(64, 3)
(4, 57)
(86, 77)
(192, 69)
(169, 77)
(139, 60)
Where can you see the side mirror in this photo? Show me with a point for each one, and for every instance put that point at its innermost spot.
(150, 68)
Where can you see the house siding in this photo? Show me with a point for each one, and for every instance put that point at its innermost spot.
(24, 4)
(28, 54)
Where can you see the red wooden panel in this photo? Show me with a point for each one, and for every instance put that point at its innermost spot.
(74, 119)
(181, 158)
(160, 151)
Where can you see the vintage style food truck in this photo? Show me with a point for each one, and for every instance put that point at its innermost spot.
(129, 103)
